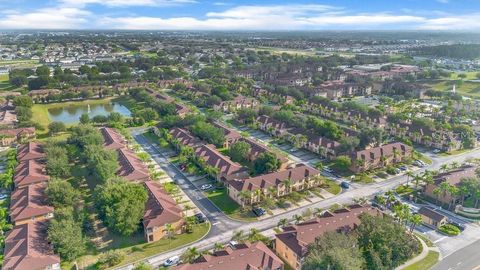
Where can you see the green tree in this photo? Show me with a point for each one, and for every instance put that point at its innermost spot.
(57, 161)
(60, 193)
(66, 235)
(239, 151)
(84, 118)
(83, 135)
(121, 205)
(56, 127)
(334, 251)
(23, 101)
(190, 255)
(101, 162)
(266, 162)
(342, 163)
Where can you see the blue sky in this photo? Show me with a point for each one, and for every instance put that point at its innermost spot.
(241, 15)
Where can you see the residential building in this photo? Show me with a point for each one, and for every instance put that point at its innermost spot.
(276, 184)
(29, 204)
(42, 94)
(184, 137)
(160, 210)
(292, 244)
(112, 139)
(432, 218)
(231, 135)
(9, 137)
(226, 169)
(257, 148)
(30, 172)
(381, 156)
(239, 102)
(30, 150)
(8, 116)
(27, 248)
(131, 167)
(245, 256)
(453, 178)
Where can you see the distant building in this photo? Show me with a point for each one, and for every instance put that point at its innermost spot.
(453, 178)
(381, 156)
(432, 218)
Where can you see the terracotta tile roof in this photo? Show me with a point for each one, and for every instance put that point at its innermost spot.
(322, 141)
(160, 208)
(30, 150)
(184, 136)
(27, 248)
(230, 134)
(17, 132)
(131, 167)
(113, 139)
(244, 257)
(432, 214)
(257, 148)
(29, 172)
(386, 150)
(215, 159)
(299, 237)
(29, 202)
(453, 177)
(274, 179)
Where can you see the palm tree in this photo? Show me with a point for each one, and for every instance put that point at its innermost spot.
(190, 255)
(288, 184)
(437, 191)
(282, 223)
(444, 167)
(318, 211)
(455, 165)
(408, 174)
(298, 218)
(238, 236)
(415, 220)
(417, 179)
(217, 246)
(245, 197)
(168, 231)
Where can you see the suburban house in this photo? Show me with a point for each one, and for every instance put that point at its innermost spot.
(338, 89)
(453, 178)
(112, 139)
(227, 169)
(231, 135)
(272, 126)
(16, 135)
(160, 210)
(378, 157)
(244, 256)
(239, 102)
(323, 146)
(27, 248)
(276, 184)
(30, 150)
(131, 167)
(292, 244)
(432, 218)
(29, 204)
(30, 172)
(8, 116)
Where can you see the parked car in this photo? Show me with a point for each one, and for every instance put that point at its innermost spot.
(345, 185)
(206, 186)
(327, 169)
(258, 211)
(233, 244)
(403, 167)
(172, 261)
(200, 218)
(436, 151)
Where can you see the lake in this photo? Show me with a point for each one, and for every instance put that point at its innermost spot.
(70, 113)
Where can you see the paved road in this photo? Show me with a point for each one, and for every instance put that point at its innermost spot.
(220, 222)
(466, 258)
(223, 227)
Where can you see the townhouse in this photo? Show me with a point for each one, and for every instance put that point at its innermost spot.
(277, 184)
(27, 248)
(131, 167)
(9, 137)
(30, 204)
(453, 178)
(112, 139)
(8, 116)
(239, 257)
(292, 243)
(226, 169)
(378, 157)
(42, 95)
(180, 109)
(161, 211)
(30, 172)
(184, 137)
(338, 89)
(239, 102)
(257, 148)
(231, 135)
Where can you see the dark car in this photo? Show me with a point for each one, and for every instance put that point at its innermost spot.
(200, 218)
(258, 211)
(345, 185)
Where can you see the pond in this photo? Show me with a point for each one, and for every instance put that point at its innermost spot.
(70, 113)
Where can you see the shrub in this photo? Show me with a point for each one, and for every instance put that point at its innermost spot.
(449, 229)
(110, 258)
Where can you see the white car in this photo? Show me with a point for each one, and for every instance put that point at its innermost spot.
(206, 186)
(172, 261)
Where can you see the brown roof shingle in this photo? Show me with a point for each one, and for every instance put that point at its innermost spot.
(160, 208)
(30, 150)
(29, 202)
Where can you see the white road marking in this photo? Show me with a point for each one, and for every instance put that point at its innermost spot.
(216, 223)
(438, 240)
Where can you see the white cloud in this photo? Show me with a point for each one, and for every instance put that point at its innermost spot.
(125, 3)
(45, 18)
(465, 22)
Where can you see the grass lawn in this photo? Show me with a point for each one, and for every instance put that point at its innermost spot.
(5, 84)
(454, 152)
(471, 89)
(472, 75)
(425, 239)
(426, 263)
(332, 187)
(140, 251)
(231, 208)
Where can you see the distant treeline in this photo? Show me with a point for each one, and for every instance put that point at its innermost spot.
(461, 51)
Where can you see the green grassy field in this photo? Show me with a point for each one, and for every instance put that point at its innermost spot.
(471, 89)
(221, 199)
(472, 75)
(426, 263)
(5, 84)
